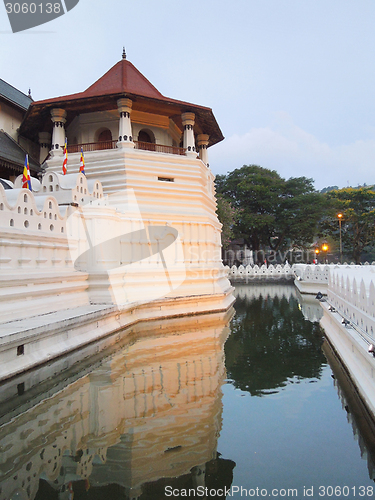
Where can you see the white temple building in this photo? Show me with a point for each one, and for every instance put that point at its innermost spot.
(135, 238)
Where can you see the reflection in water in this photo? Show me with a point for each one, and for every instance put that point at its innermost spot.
(147, 410)
(296, 427)
(310, 306)
(271, 343)
(357, 414)
(150, 409)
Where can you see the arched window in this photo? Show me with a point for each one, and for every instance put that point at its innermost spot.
(144, 136)
(146, 140)
(105, 139)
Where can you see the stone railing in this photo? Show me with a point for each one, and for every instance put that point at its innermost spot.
(312, 278)
(270, 273)
(312, 273)
(351, 293)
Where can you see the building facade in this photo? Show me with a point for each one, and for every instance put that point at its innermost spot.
(134, 238)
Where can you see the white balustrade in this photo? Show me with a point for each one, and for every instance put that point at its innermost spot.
(270, 272)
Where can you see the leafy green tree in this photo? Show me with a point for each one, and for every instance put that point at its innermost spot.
(227, 215)
(272, 211)
(357, 206)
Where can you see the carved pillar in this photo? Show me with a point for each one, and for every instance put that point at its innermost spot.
(202, 147)
(189, 140)
(125, 139)
(58, 117)
(45, 145)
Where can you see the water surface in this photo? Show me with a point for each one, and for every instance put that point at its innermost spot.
(256, 401)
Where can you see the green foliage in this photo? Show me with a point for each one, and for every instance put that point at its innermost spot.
(358, 222)
(272, 211)
(329, 188)
(227, 215)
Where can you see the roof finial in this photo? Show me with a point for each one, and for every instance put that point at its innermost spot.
(123, 53)
(30, 93)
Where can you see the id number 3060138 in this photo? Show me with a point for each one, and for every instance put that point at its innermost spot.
(345, 491)
(33, 8)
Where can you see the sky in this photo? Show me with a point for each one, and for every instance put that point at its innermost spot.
(291, 82)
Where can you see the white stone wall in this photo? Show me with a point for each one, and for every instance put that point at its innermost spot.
(271, 272)
(186, 203)
(349, 323)
(313, 273)
(37, 273)
(36, 235)
(351, 291)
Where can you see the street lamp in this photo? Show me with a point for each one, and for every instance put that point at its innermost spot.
(325, 249)
(316, 255)
(340, 218)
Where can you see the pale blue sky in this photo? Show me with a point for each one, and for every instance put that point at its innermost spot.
(291, 82)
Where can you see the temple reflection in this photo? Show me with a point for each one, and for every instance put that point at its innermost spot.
(149, 413)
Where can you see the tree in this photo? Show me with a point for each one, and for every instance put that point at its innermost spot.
(227, 215)
(272, 211)
(357, 206)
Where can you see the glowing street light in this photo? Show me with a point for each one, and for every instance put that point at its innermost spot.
(340, 218)
(325, 250)
(316, 255)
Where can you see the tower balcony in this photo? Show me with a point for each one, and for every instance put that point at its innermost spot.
(106, 145)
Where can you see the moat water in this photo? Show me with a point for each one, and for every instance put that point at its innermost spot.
(251, 403)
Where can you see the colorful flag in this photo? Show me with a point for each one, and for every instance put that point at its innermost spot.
(26, 180)
(82, 163)
(65, 162)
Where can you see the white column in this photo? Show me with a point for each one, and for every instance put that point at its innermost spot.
(189, 141)
(58, 116)
(202, 147)
(125, 139)
(45, 145)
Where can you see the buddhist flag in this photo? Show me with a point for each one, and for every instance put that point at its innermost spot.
(82, 163)
(65, 162)
(26, 181)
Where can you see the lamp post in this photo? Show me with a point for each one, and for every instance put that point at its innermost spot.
(340, 218)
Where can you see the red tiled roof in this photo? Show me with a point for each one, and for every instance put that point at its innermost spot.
(123, 77)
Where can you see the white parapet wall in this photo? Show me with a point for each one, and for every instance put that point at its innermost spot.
(349, 323)
(311, 278)
(248, 274)
(37, 273)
